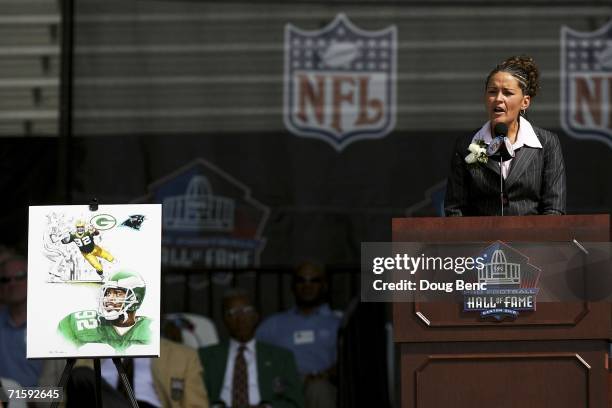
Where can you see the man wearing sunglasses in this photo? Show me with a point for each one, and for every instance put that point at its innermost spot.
(13, 292)
(244, 373)
(309, 330)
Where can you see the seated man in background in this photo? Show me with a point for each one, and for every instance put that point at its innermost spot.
(13, 292)
(309, 330)
(172, 380)
(246, 373)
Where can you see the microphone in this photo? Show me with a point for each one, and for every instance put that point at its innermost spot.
(500, 147)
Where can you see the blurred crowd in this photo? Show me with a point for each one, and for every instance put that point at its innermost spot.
(287, 359)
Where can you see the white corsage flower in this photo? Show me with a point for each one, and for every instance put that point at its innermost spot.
(478, 152)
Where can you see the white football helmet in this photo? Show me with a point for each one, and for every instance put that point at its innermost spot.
(133, 287)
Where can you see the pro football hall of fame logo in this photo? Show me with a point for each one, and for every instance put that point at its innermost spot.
(511, 284)
(210, 219)
(340, 82)
(586, 83)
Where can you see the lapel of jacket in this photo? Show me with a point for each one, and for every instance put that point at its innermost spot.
(263, 378)
(493, 165)
(156, 372)
(219, 366)
(521, 160)
(156, 364)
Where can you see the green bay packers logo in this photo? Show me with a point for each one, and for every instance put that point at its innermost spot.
(103, 222)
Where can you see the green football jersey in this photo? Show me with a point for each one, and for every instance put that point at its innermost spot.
(85, 242)
(86, 327)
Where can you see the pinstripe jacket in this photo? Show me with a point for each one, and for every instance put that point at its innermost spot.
(535, 183)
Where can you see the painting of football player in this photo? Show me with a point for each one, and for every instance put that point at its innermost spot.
(115, 322)
(84, 239)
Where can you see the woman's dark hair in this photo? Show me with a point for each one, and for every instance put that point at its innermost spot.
(524, 69)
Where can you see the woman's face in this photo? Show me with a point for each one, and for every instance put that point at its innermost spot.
(504, 99)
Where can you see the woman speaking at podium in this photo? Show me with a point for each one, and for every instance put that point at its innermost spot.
(509, 167)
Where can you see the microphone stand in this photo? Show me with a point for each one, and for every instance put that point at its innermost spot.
(500, 148)
(501, 185)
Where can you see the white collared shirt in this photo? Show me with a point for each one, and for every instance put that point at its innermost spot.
(143, 387)
(526, 137)
(250, 355)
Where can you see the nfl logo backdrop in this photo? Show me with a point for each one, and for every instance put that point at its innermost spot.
(340, 82)
(586, 83)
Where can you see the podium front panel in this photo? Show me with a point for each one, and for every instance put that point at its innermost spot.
(555, 356)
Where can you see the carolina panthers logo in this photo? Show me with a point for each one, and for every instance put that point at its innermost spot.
(134, 222)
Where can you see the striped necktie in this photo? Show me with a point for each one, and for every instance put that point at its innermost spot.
(240, 382)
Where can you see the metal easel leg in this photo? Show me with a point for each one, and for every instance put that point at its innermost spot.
(64, 378)
(124, 380)
(98, 382)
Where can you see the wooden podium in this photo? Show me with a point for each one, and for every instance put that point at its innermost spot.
(556, 356)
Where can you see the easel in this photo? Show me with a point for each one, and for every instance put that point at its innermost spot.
(98, 380)
(93, 206)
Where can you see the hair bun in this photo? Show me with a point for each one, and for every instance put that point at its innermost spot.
(524, 66)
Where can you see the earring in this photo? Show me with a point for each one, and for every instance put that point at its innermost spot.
(523, 112)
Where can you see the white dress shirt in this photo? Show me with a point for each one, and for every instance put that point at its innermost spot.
(526, 137)
(143, 387)
(250, 355)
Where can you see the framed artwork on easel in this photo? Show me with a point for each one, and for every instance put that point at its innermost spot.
(94, 281)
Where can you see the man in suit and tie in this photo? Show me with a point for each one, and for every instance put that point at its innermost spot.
(242, 372)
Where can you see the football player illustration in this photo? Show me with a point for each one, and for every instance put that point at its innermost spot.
(115, 322)
(84, 239)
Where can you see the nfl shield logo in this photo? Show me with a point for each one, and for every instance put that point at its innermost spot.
(340, 82)
(586, 83)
